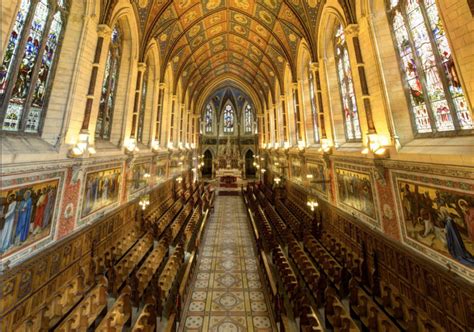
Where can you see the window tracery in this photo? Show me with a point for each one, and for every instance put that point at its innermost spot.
(208, 119)
(346, 87)
(228, 119)
(436, 98)
(314, 112)
(248, 119)
(109, 86)
(28, 64)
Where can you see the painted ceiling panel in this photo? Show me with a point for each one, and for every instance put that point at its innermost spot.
(206, 39)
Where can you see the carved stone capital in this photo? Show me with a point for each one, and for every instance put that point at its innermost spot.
(314, 66)
(352, 30)
(104, 31)
(141, 66)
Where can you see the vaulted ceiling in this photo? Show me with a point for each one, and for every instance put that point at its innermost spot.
(207, 40)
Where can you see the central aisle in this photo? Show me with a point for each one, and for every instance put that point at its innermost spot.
(227, 293)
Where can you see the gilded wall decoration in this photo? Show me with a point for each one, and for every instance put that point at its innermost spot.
(355, 191)
(318, 182)
(437, 218)
(26, 215)
(102, 189)
(138, 179)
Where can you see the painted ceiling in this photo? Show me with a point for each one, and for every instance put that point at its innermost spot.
(206, 40)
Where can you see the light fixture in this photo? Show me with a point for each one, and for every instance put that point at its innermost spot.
(146, 175)
(179, 179)
(277, 180)
(301, 145)
(309, 176)
(131, 145)
(374, 145)
(144, 201)
(326, 145)
(81, 146)
(155, 145)
(286, 145)
(263, 170)
(262, 158)
(312, 204)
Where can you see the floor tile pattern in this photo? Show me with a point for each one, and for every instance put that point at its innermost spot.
(227, 291)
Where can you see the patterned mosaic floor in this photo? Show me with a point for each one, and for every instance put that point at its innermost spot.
(227, 292)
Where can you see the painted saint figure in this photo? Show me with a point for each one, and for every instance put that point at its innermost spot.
(24, 216)
(6, 238)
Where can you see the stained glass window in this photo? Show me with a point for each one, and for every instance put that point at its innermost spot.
(208, 119)
(141, 114)
(248, 119)
(346, 87)
(28, 63)
(314, 112)
(433, 87)
(109, 85)
(228, 119)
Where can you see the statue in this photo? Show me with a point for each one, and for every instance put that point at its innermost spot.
(228, 149)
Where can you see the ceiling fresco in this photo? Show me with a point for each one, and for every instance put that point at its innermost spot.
(206, 40)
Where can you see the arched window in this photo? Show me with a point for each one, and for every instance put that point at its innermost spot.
(208, 119)
(228, 119)
(141, 115)
(346, 87)
(109, 85)
(314, 112)
(28, 64)
(248, 119)
(433, 87)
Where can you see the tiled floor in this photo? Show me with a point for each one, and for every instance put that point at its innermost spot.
(227, 293)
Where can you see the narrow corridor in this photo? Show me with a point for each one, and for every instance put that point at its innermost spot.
(227, 292)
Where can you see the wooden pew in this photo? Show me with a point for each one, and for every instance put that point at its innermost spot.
(87, 311)
(119, 316)
(146, 321)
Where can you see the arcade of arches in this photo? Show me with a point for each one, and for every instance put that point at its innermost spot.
(237, 165)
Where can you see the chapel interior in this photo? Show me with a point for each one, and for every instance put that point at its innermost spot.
(237, 165)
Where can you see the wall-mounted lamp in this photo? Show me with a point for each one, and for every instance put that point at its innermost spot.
(277, 180)
(81, 147)
(312, 204)
(155, 145)
(131, 145)
(263, 170)
(375, 145)
(144, 201)
(179, 179)
(326, 146)
(301, 145)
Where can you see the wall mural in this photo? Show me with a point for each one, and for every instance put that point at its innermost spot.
(354, 189)
(160, 171)
(26, 214)
(101, 189)
(296, 169)
(137, 182)
(319, 178)
(438, 218)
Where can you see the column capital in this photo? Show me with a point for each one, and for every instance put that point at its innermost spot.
(141, 66)
(314, 66)
(162, 85)
(352, 30)
(294, 85)
(104, 31)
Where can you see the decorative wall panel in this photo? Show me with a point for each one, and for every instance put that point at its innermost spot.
(437, 218)
(355, 193)
(28, 212)
(101, 189)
